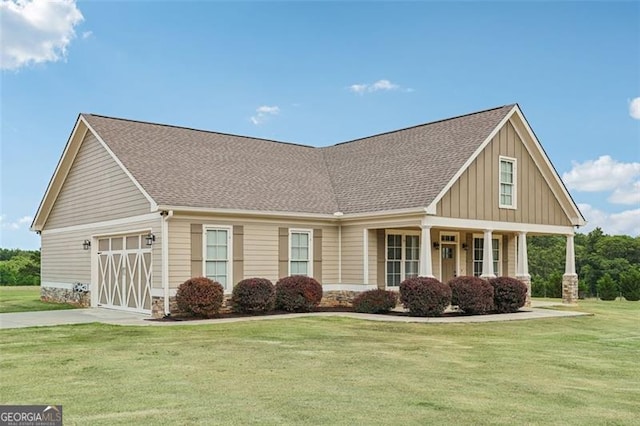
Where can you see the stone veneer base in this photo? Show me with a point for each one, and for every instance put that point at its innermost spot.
(65, 295)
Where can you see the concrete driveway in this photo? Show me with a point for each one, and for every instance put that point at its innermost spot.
(71, 316)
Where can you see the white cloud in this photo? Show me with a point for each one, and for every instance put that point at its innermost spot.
(17, 224)
(263, 113)
(379, 85)
(36, 31)
(628, 194)
(634, 108)
(624, 223)
(603, 174)
(87, 34)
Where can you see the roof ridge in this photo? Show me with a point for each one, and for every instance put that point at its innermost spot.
(424, 124)
(195, 130)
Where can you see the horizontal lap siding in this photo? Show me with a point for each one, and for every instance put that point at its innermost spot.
(260, 251)
(65, 261)
(329, 254)
(475, 194)
(96, 189)
(352, 250)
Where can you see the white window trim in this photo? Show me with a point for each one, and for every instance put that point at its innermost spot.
(514, 185)
(452, 243)
(310, 260)
(229, 230)
(403, 259)
(497, 272)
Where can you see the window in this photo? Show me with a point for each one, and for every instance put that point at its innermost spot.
(217, 251)
(507, 182)
(478, 255)
(403, 258)
(300, 252)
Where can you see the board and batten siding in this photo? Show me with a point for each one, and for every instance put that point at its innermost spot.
(64, 260)
(475, 194)
(96, 189)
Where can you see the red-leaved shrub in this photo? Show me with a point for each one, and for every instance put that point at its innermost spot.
(200, 297)
(253, 295)
(375, 301)
(424, 297)
(509, 294)
(298, 293)
(473, 295)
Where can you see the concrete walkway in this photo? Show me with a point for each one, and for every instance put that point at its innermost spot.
(110, 316)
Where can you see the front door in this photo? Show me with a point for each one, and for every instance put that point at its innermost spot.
(449, 261)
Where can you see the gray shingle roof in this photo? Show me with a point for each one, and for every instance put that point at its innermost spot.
(193, 168)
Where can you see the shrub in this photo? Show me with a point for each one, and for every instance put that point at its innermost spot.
(298, 293)
(607, 288)
(424, 297)
(200, 297)
(509, 294)
(375, 301)
(472, 295)
(630, 284)
(253, 295)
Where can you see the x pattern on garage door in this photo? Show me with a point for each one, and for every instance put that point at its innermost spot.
(124, 273)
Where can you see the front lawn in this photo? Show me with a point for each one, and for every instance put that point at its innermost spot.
(330, 370)
(26, 299)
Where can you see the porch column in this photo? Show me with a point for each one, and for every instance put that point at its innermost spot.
(570, 278)
(426, 269)
(487, 256)
(522, 265)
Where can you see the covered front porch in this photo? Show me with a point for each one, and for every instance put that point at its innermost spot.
(444, 248)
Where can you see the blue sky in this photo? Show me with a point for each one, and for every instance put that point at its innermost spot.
(319, 73)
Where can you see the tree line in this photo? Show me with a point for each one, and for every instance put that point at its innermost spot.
(607, 265)
(19, 267)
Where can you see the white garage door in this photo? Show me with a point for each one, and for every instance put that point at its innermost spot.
(124, 273)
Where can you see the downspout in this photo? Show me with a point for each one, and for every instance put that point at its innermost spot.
(340, 254)
(166, 215)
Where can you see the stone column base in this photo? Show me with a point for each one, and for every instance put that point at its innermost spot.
(526, 279)
(570, 288)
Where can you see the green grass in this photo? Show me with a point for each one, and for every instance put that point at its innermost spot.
(331, 370)
(26, 299)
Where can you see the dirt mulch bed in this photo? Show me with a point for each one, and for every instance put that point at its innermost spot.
(223, 315)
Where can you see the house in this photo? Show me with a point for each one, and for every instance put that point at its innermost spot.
(134, 208)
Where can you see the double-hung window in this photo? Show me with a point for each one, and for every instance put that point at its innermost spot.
(403, 258)
(507, 182)
(478, 255)
(301, 252)
(217, 254)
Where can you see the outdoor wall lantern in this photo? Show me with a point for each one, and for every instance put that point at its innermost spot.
(86, 244)
(150, 238)
(465, 247)
(436, 246)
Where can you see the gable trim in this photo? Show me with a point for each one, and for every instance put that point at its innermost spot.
(152, 203)
(431, 208)
(579, 220)
(61, 172)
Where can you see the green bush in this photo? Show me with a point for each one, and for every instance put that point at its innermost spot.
(375, 301)
(509, 294)
(425, 297)
(298, 293)
(253, 295)
(630, 284)
(554, 285)
(200, 297)
(607, 288)
(473, 295)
